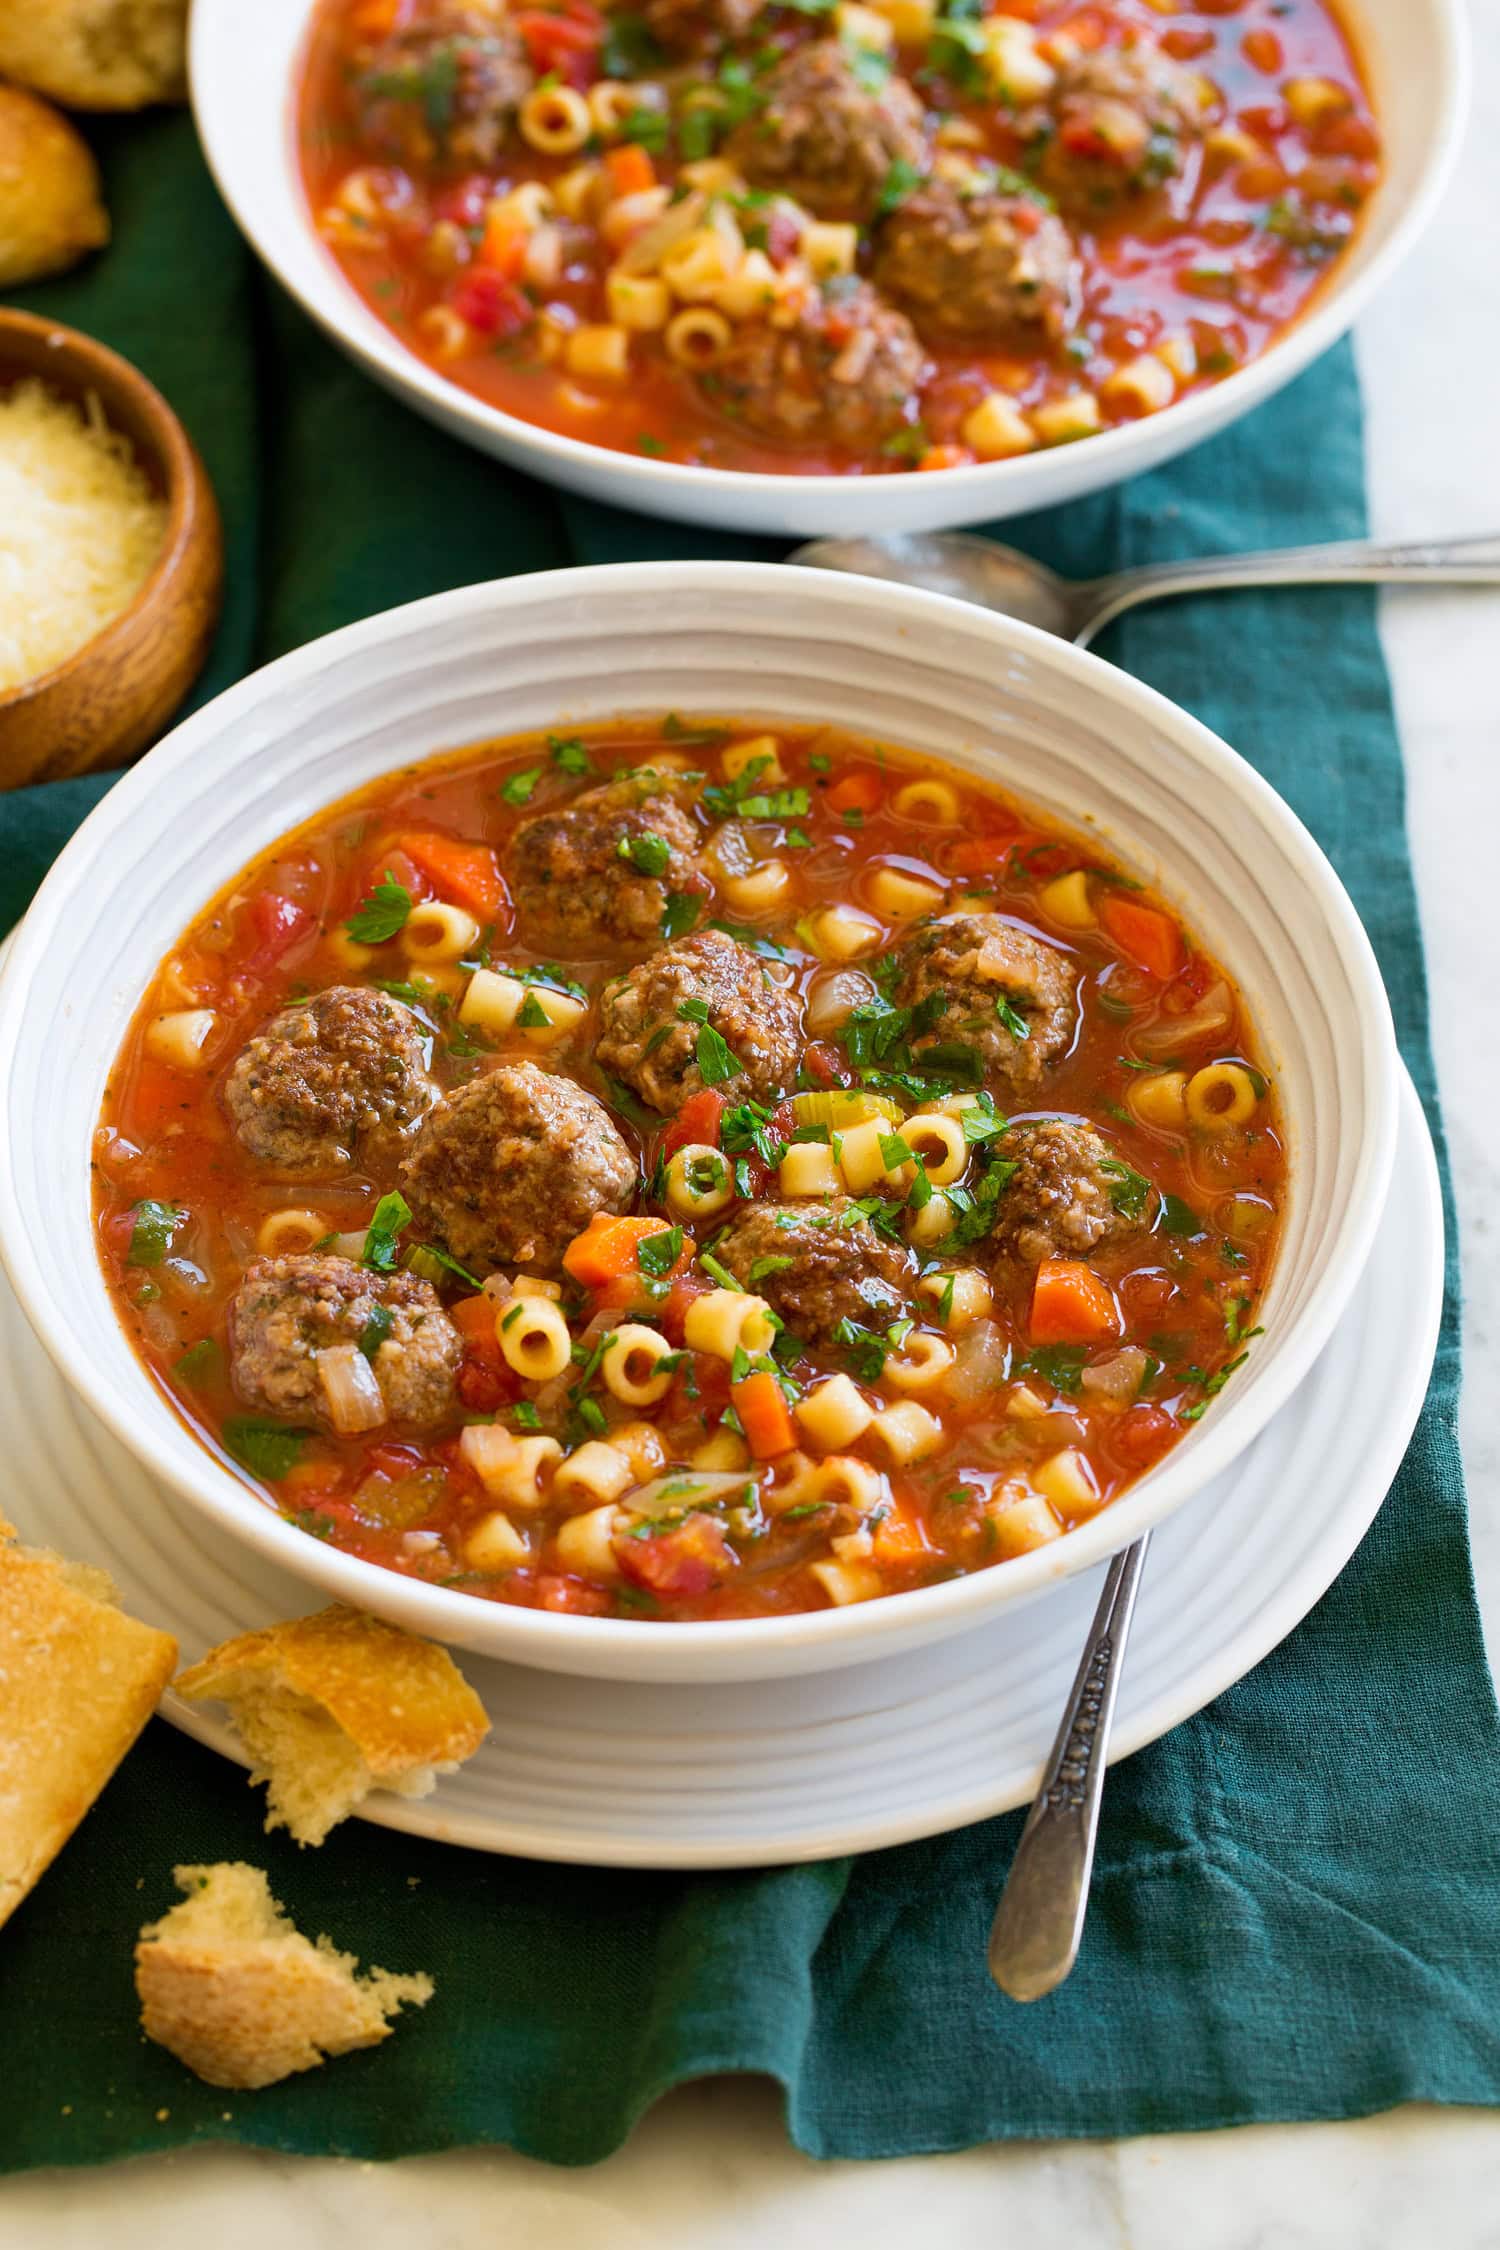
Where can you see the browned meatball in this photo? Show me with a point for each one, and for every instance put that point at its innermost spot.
(656, 1018)
(1062, 1200)
(824, 139)
(1116, 123)
(847, 374)
(507, 1169)
(445, 88)
(971, 267)
(593, 872)
(695, 27)
(335, 1081)
(287, 1310)
(840, 1267)
(990, 987)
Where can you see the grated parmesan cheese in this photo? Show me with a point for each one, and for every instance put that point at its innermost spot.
(80, 528)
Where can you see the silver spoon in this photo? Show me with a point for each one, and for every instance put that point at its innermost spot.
(1038, 1924)
(978, 570)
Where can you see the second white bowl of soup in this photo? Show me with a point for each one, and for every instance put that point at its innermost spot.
(1141, 795)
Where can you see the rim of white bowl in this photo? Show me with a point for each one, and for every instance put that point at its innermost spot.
(330, 300)
(700, 1648)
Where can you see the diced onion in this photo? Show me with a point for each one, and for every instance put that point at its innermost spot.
(353, 1395)
(831, 1000)
(1211, 1017)
(981, 1362)
(686, 1488)
(1119, 1376)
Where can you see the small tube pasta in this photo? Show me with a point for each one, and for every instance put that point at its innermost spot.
(599, 350)
(929, 800)
(555, 120)
(961, 1298)
(997, 429)
(286, 1234)
(839, 933)
(1066, 901)
(847, 1482)
(642, 1448)
(594, 1471)
(435, 931)
(491, 1002)
(1020, 1524)
(726, 1449)
(1219, 1096)
(1068, 1481)
(520, 1479)
(932, 1224)
(699, 1182)
(545, 1016)
(763, 751)
(906, 1433)
(630, 1364)
(898, 895)
(1060, 421)
(1159, 1098)
(761, 890)
(830, 247)
(727, 1321)
(697, 336)
(180, 1037)
(487, 1450)
(845, 1583)
(808, 1168)
(638, 300)
(861, 1157)
(533, 1337)
(348, 951)
(586, 1543)
(495, 1545)
(834, 1414)
(940, 1143)
(920, 1363)
(1144, 385)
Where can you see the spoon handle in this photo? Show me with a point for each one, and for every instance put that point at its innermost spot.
(1039, 1922)
(1450, 562)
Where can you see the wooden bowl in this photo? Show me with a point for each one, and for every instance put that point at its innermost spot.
(113, 696)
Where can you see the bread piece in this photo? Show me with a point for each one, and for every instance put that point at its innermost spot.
(50, 211)
(97, 54)
(230, 1987)
(333, 1706)
(78, 1681)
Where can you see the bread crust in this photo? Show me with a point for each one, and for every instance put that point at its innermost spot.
(78, 1681)
(230, 1987)
(51, 214)
(97, 54)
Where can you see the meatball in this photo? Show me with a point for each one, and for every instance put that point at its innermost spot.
(980, 982)
(821, 138)
(336, 1080)
(593, 871)
(655, 1019)
(507, 1169)
(1116, 124)
(841, 1268)
(847, 373)
(50, 211)
(968, 268)
(445, 88)
(287, 1310)
(1060, 1200)
(695, 27)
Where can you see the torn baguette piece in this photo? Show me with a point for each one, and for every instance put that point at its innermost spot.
(78, 1681)
(232, 1988)
(333, 1706)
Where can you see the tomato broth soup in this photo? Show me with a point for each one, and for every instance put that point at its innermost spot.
(871, 236)
(688, 1170)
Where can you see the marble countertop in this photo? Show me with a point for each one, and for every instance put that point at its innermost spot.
(710, 2169)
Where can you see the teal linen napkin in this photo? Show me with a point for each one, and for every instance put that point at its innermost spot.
(1295, 1910)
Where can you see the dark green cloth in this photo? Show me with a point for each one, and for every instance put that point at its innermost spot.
(1295, 1911)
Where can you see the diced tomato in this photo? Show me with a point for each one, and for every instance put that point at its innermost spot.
(944, 457)
(1349, 136)
(861, 790)
(1150, 1299)
(687, 1560)
(826, 1064)
(463, 204)
(696, 1123)
(567, 44)
(277, 923)
(492, 305)
(1262, 50)
(575, 1596)
(783, 235)
(1150, 939)
(1142, 1435)
(1071, 1305)
(983, 854)
(388, 1460)
(482, 1387)
(673, 1310)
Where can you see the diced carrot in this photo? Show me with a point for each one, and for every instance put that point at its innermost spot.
(898, 1537)
(474, 1318)
(945, 457)
(503, 246)
(1071, 1305)
(764, 1416)
(979, 855)
(697, 1122)
(1151, 940)
(860, 791)
(606, 1249)
(469, 873)
(630, 169)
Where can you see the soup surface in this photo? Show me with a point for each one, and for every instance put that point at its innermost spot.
(831, 237)
(688, 1171)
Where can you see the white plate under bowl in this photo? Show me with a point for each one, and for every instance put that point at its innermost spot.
(244, 60)
(1067, 733)
(618, 1774)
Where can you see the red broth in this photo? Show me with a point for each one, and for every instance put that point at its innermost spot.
(491, 260)
(1022, 1340)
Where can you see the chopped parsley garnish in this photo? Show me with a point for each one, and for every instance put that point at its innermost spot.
(646, 443)
(1130, 1191)
(524, 1416)
(1061, 1365)
(517, 789)
(945, 1301)
(908, 444)
(269, 1450)
(716, 1061)
(1180, 1218)
(648, 853)
(411, 994)
(747, 1127)
(868, 67)
(680, 913)
(865, 1350)
(151, 1235)
(762, 1268)
(1012, 1019)
(657, 1254)
(717, 1272)
(531, 1015)
(674, 729)
(921, 1191)
(981, 1121)
(376, 1329)
(428, 1254)
(754, 940)
(779, 804)
(954, 51)
(1210, 1385)
(629, 50)
(380, 915)
(894, 1151)
(1236, 1313)
(902, 180)
(693, 1010)
(570, 752)
(200, 1363)
(648, 128)
(390, 1215)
